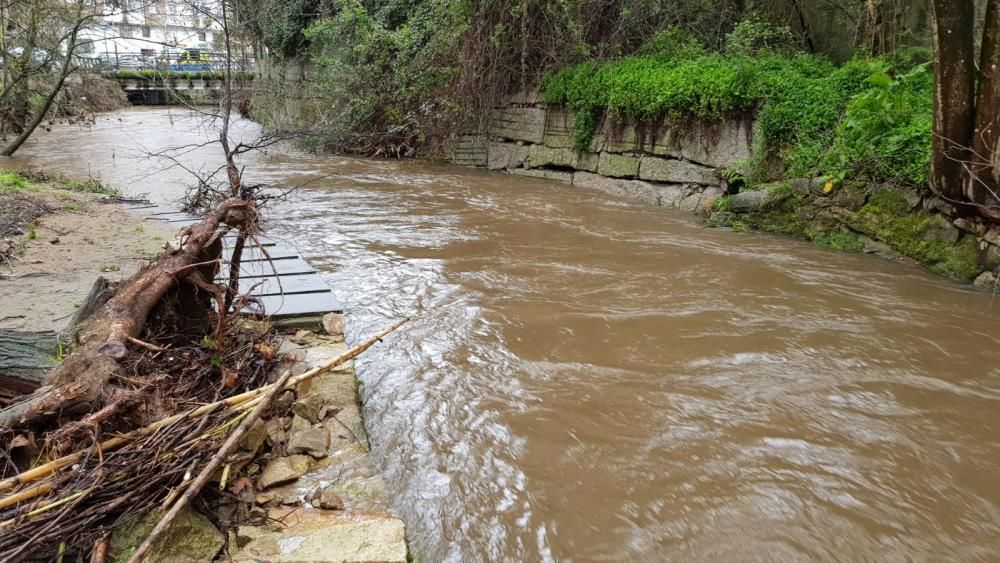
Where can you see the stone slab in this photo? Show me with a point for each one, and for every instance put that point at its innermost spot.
(502, 156)
(279, 306)
(661, 195)
(191, 537)
(618, 166)
(658, 169)
(323, 536)
(286, 267)
(717, 144)
(559, 131)
(518, 124)
(558, 175)
(286, 285)
(468, 150)
(541, 155)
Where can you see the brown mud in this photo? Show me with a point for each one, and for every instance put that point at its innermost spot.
(61, 241)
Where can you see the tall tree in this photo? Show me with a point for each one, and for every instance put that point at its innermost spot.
(983, 184)
(965, 166)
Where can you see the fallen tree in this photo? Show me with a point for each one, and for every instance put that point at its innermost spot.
(102, 340)
(160, 385)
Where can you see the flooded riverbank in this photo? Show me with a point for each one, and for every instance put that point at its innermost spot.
(586, 378)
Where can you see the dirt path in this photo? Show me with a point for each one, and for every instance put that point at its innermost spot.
(57, 255)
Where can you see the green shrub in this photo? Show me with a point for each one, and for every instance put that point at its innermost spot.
(754, 35)
(384, 81)
(12, 181)
(869, 119)
(885, 134)
(672, 44)
(838, 240)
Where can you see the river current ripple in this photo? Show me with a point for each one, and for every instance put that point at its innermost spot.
(586, 378)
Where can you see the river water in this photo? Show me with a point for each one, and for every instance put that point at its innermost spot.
(591, 379)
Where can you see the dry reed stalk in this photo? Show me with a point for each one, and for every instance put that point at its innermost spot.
(242, 403)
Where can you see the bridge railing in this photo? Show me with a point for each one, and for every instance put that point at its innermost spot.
(176, 61)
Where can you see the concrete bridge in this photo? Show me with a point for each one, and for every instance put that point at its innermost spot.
(145, 87)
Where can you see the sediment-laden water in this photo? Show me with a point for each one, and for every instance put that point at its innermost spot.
(591, 379)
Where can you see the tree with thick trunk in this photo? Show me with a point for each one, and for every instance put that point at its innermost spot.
(983, 183)
(965, 165)
(954, 97)
(63, 22)
(102, 340)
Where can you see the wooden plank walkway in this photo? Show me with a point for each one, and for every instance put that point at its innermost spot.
(284, 286)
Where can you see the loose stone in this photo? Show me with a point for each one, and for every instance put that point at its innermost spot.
(311, 441)
(283, 470)
(326, 499)
(333, 324)
(309, 407)
(986, 280)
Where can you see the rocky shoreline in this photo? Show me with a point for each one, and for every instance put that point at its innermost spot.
(314, 494)
(302, 486)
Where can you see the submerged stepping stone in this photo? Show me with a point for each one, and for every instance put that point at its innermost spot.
(229, 241)
(300, 304)
(254, 253)
(285, 285)
(260, 269)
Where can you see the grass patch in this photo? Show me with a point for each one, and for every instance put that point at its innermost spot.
(14, 182)
(846, 241)
(723, 204)
(91, 187)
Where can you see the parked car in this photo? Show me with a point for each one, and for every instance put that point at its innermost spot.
(192, 60)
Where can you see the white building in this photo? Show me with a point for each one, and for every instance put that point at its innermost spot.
(134, 33)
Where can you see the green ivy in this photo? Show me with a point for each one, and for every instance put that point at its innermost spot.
(868, 119)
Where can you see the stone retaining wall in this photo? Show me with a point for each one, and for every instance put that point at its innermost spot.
(668, 165)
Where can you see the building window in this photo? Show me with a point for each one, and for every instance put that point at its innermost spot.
(146, 32)
(148, 52)
(202, 36)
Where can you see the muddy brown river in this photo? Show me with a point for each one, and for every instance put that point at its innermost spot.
(591, 379)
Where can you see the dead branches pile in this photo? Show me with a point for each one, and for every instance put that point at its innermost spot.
(160, 374)
(70, 504)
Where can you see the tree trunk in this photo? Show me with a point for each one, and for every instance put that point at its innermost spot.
(65, 71)
(82, 378)
(984, 181)
(26, 356)
(954, 95)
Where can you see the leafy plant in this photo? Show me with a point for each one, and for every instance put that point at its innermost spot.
(885, 134)
(868, 119)
(723, 204)
(754, 36)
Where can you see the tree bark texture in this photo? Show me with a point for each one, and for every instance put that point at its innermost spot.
(954, 95)
(983, 184)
